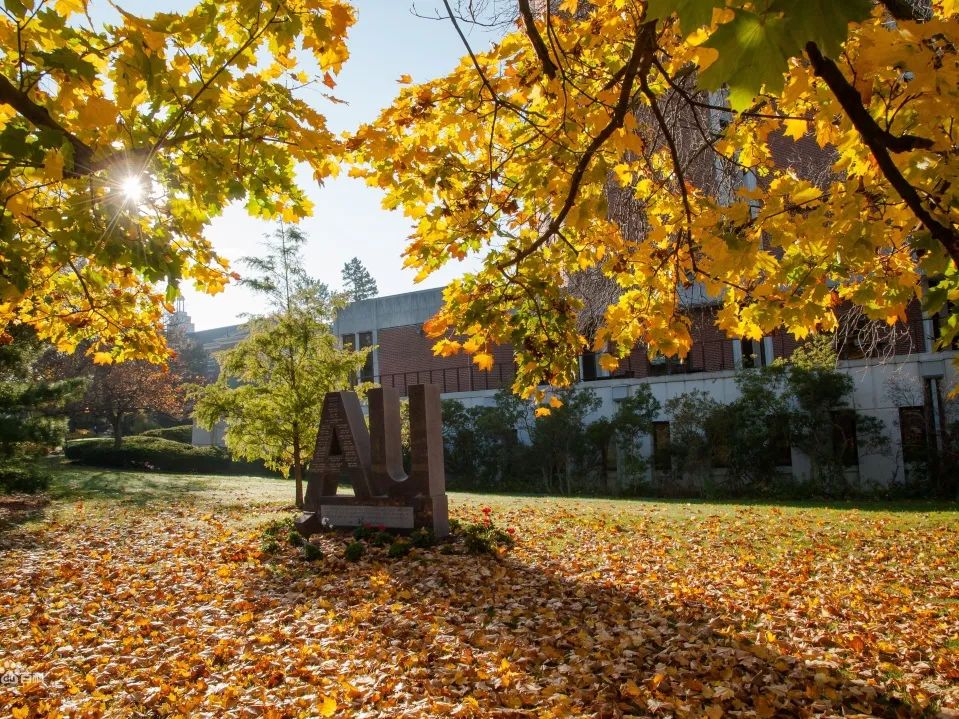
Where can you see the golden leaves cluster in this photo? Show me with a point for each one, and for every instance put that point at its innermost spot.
(483, 160)
(201, 108)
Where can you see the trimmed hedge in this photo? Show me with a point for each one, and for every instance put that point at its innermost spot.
(162, 455)
(180, 433)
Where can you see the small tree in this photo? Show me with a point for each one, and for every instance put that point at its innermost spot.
(482, 446)
(819, 392)
(752, 433)
(559, 441)
(693, 438)
(633, 418)
(117, 392)
(358, 283)
(271, 385)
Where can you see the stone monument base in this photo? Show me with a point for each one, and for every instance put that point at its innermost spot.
(397, 513)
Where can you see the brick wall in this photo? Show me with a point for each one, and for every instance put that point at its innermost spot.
(405, 356)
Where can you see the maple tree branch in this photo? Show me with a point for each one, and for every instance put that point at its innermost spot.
(851, 101)
(40, 117)
(542, 52)
(642, 50)
(254, 36)
(673, 150)
(877, 140)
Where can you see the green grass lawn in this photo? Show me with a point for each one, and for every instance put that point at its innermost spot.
(143, 594)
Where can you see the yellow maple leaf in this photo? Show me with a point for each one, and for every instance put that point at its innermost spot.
(949, 7)
(327, 706)
(98, 112)
(796, 129)
(68, 7)
(53, 165)
(483, 360)
(102, 358)
(474, 344)
(542, 412)
(608, 362)
(555, 401)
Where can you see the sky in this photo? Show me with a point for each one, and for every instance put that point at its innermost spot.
(387, 41)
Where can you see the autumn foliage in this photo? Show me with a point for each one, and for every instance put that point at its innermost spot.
(600, 609)
(652, 141)
(121, 140)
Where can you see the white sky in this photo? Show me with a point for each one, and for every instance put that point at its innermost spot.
(386, 42)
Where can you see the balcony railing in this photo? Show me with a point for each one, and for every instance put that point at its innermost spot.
(466, 378)
(712, 356)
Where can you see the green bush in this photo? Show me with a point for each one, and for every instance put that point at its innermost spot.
(27, 479)
(311, 552)
(354, 550)
(162, 455)
(399, 548)
(422, 538)
(381, 539)
(485, 538)
(364, 531)
(181, 433)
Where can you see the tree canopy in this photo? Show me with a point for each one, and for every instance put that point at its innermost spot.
(651, 140)
(778, 159)
(120, 141)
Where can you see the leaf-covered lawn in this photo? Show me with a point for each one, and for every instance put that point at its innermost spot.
(148, 595)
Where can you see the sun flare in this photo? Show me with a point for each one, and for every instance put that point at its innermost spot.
(132, 188)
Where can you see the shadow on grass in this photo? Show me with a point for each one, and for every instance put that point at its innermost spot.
(132, 488)
(16, 511)
(609, 649)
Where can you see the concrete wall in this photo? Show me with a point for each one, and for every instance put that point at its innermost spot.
(409, 308)
(879, 389)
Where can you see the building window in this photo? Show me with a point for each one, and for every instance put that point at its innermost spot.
(937, 321)
(844, 445)
(590, 368)
(661, 365)
(753, 353)
(349, 341)
(366, 340)
(912, 432)
(662, 459)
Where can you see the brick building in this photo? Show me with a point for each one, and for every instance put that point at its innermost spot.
(906, 388)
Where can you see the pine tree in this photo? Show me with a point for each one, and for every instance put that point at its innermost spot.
(358, 283)
(271, 385)
(32, 415)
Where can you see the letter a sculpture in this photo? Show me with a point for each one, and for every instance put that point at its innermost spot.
(372, 462)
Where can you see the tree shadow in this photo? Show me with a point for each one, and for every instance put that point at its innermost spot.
(520, 640)
(136, 489)
(15, 511)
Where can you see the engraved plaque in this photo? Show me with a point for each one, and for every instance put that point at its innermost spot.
(356, 515)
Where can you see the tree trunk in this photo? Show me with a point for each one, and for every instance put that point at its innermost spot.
(117, 422)
(297, 466)
(603, 461)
